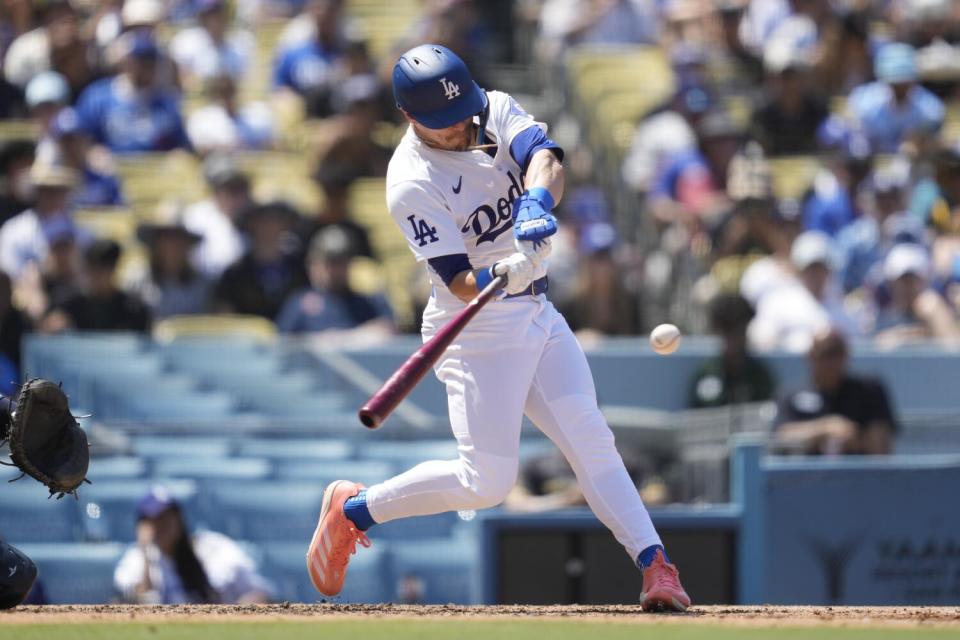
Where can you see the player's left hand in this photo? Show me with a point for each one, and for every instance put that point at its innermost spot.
(532, 219)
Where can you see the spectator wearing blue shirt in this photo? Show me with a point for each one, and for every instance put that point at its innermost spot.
(311, 70)
(895, 109)
(329, 303)
(132, 112)
(97, 188)
(831, 205)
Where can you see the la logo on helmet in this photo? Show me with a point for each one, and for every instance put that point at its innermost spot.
(449, 89)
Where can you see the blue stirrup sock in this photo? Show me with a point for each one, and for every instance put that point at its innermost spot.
(645, 559)
(356, 510)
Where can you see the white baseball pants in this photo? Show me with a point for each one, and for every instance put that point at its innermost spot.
(517, 356)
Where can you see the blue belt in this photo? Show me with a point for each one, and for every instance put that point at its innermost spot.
(535, 289)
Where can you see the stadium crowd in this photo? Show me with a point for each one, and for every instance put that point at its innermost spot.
(865, 90)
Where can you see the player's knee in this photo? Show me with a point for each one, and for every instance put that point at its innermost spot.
(490, 480)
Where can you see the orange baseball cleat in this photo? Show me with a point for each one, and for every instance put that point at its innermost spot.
(661, 587)
(335, 539)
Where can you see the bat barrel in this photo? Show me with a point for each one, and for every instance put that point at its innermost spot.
(369, 418)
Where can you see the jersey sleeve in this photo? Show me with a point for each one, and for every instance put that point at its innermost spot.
(425, 221)
(508, 119)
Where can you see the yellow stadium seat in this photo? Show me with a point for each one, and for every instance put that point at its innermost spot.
(792, 175)
(240, 326)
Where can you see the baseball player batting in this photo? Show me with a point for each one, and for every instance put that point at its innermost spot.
(471, 186)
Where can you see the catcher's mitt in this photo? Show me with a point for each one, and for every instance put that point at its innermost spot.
(45, 440)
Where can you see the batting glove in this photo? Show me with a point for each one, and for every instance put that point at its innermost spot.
(532, 220)
(536, 250)
(520, 271)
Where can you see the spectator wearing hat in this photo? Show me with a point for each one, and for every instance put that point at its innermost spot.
(169, 565)
(270, 269)
(131, 112)
(789, 315)
(914, 311)
(71, 147)
(217, 219)
(102, 306)
(46, 94)
(24, 238)
(330, 303)
(863, 243)
(16, 188)
(211, 48)
(171, 286)
(787, 121)
(222, 124)
(664, 134)
(308, 72)
(895, 109)
(838, 412)
(56, 45)
(735, 376)
(601, 304)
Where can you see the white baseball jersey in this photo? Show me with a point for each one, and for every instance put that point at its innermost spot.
(450, 202)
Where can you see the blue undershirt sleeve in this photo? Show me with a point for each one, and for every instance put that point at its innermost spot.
(447, 267)
(526, 143)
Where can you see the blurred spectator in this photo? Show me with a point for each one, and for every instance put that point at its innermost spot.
(131, 112)
(168, 565)
(24, 237)
(222, 124)
(303, 28)
(105, 23)
(734, 376)
(565, 23)
(330, 304)
(691, 187)
(838, 412)
(601, 303)
(787, 122)
(46, 94)
(14, 324)
(335, 211)
(217, 219)
(257, 11)
(310, 70)
(171, 286)
(936, 199)
(211, 48)
(346, 143)
(270, 270)
(895, 109)
(664, 134)
(790, 315)
(56, 45)
(915, 312)
(16, 189)
(830, 204)
(102, 306)
(71, 145)
(865, 241)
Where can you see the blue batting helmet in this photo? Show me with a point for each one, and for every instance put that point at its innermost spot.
(434, 86)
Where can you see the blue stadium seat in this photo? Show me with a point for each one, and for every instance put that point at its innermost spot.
(201, 467)
(27, 515)
(108, 509)
(295, 449)
(77, 573)
(258, 511)
(408, 453)
(416, 528)
(367, 577)
(180, 406)
(322, 472)
(172, 446)
(116, 467)
(447, 568)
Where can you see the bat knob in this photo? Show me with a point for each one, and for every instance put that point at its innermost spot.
(369, 419)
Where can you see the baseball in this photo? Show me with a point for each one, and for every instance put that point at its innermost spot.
(665, 339)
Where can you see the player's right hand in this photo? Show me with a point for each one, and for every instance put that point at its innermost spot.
(520, 271)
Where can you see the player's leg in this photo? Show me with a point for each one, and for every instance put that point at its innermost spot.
(562, 403)
(487, 375)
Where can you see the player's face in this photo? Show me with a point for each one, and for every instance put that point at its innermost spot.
(458, 137)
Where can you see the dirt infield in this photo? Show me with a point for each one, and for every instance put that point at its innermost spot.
(940, 617)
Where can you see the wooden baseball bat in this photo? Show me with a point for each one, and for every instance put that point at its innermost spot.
(404, 379)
